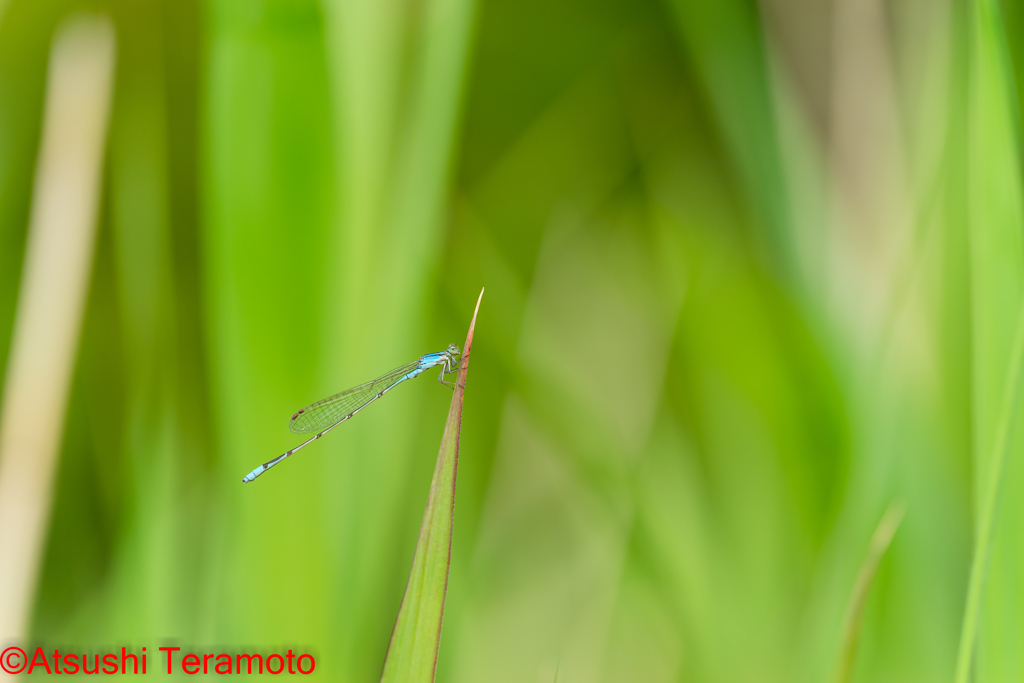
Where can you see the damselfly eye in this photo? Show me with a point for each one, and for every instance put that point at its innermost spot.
(453, 349)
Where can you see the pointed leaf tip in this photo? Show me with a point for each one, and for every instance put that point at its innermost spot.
(412, 652)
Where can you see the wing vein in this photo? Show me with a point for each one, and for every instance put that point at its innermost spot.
(334, 409)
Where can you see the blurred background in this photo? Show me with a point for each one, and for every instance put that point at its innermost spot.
(753, 273)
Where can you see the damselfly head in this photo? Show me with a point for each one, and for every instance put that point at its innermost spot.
(453, 351)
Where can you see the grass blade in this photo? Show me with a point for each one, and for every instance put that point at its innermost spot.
(412, 653)
(989, 508)
(996, 214)
(55, 281)
(880, 542)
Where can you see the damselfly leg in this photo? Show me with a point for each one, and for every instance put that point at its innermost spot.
(448, 369)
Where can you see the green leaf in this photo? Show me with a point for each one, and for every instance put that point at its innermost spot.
(412, 653)
(992, 613)
(880, 542)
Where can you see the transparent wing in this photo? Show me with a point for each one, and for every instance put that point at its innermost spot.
(319, 416)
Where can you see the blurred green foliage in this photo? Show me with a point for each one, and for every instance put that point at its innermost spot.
(704, 369)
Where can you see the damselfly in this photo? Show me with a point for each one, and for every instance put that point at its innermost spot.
(326, 414)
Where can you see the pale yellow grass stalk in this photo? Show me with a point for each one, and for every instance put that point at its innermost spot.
(55, 279)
